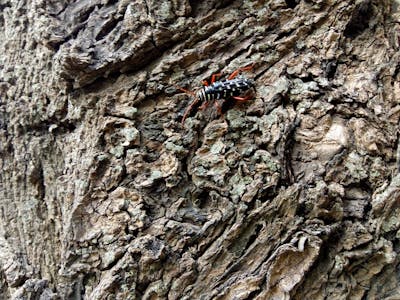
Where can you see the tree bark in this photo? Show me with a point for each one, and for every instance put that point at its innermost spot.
(294, 194)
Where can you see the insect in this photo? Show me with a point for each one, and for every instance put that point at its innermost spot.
(234, 87)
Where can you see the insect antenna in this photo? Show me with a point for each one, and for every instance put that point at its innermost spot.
(189, 109)
(191, 93)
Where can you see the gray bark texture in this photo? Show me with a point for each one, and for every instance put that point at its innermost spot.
(104, 194)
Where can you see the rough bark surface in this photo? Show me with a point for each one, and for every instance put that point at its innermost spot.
(105, 195)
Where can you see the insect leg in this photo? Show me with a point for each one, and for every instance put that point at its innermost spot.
(218, 107)
(242, 99)
(236, 72)
(204, 105)
(214, 77)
